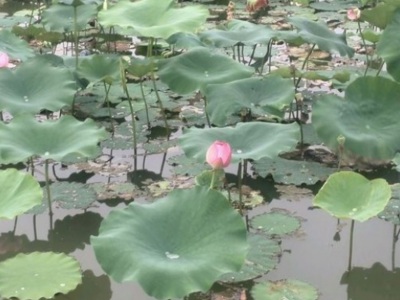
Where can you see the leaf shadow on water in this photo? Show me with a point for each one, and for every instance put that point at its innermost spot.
(375, 283)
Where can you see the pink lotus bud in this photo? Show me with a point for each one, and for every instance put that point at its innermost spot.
(4, 60)
(353, 14)
(219, 155)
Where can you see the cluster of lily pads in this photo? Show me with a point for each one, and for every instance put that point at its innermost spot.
(66, 108)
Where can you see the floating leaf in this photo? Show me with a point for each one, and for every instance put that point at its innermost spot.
(275, 223)
(368, 117)
(174, 246)
(253, 140)
(292, 171)
(350, 195)
(24, 137)
(197, 68)
(38, 275)
(34, 86)
(288, 289)
(19, 193)
(391, 213)
(71, 195)
(320, 34)
(116, 190)
(154, 18)
(262, 258)
(261, 96)
(388, 46)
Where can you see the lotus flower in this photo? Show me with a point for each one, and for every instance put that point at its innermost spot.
(4, 60)
(255, 5)
(353, 14)
(219, 155)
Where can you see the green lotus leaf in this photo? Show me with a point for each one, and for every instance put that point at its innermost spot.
(15, 47)
(350, 195)
(275, 223)
(24, 137)
(19, 193)
(238, 32)
(175, 246)
(391, 213)
(34, 86)
(60, 17)
(100, 68)
(72, 195)
(388, 46)
(262, 96)
(379, 15)
(289, 289)
(183, 165)
(38, 275)
(253, 140)
(320, 34)
(154, 18)
(141, 67)
(262, 258)
(198, 67)
(185, 40)
(292, 171)
(368, 117)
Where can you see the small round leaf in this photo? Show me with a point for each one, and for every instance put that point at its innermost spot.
(288, 289)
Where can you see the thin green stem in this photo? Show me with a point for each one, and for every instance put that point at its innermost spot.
(205, 112)
(145, 104)
(380, 67)
(240, 175)
(304, 64)
(15, 225)
(394, 247)
(46, 174)
(351, 245)
(365, 47)
(252, 54)
(76, 37)
(213, 178)
(107, 90)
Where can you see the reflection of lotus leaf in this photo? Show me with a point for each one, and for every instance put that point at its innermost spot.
(175, 246)
(368, 117)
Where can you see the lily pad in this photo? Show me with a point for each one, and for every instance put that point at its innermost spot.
(19, 193)
(253, 140)
(391, 213)
(24, 137)
(350, 195)
(183, 165)
(288, 289)
(262, 257)
(154, 18)
(368, 117)
(388, 47)
(38, 275)
(197, 68)
(261, 96)
(292, 171)
(320, 34)
(34, 86)
(15, 47)
(275, 223)
(175, 246)
(72, 195)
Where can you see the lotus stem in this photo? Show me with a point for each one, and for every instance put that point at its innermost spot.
(365, 47)
(159, 102)
(239, 175)
(46, 174)
(205, 112)
(351, 245)
(252, 54)
(304, 64)
(395, 239)
(76, 35)
(145, 104)
(163, 162)
(213, 178)
(107, 90)
(15, 225)
(34, 227)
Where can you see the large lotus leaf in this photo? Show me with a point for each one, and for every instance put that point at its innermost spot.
(368, 117)
(24, 137)
(388, 46)
(185, 40)
(154, 18)
(253, 140)
(288, 289)
(350, 195)
(38, 275)
(19, 193)
(275, 223)
(320, 34)
(60, 17)
(34, 86)
(100, 68)
(175, 246)
(15, 47)
(262, 96)
(237, 32)
(198, 67)
(379, 15)
(262, 258)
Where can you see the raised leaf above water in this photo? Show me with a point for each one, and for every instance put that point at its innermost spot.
(175, 246)
(350, 195)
